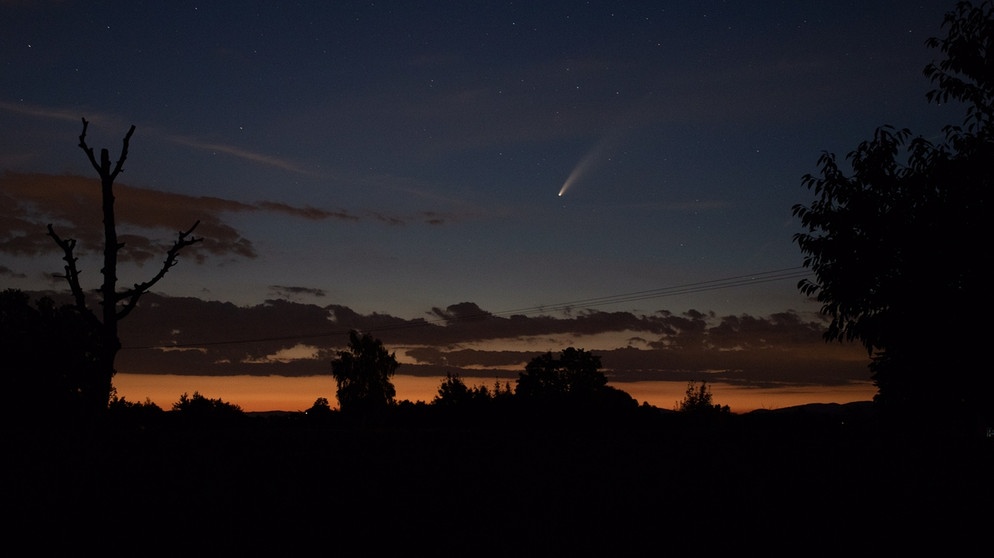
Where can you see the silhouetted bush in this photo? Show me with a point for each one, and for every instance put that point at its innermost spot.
(320, 408)
(202, 409)
(699, 401)
(129, 413)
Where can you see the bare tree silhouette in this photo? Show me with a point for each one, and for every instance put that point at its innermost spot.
(116, 305)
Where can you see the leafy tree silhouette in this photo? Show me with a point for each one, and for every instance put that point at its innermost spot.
(199, 409)
(133, 413)
(453, 392)
(320, 408)
(362, 373)
(700, 401)
(574, 373)
(115, 305)
(320, 412)
(49, 355)
(572, 386)
(898, 243)
(457, 402)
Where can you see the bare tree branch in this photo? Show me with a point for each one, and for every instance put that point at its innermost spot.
(132, 295)
(87, 149)
(111, 298)
(103, 168)
(124, 153)
(71, 276)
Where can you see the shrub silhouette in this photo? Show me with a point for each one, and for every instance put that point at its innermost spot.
(132, 413)
(700, 401)
(200, 408)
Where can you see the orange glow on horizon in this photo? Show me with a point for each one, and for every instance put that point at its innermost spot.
(280, 393)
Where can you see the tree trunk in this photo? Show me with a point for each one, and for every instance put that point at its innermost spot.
(115, 305)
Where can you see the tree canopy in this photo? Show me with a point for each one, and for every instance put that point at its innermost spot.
(362, 373)
(898, 241)
(574, 372)
(570, 386)
(49, 354)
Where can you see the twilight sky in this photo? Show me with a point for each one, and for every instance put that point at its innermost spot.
(402, 162)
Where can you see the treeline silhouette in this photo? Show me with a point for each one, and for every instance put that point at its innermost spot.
(487, 472)
(567, 390)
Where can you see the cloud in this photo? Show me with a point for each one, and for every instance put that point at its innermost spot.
(240, 153)
(433, 218)
(299, 351)
(73, 205)
(6, 271)
(290, 292)
(311, 213)
(287, 338)
(30, 201)
(462, 312)
(388, 219)
(38, 111)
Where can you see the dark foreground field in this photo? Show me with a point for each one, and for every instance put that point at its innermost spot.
(799, 483)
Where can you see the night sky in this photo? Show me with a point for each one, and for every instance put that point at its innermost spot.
(525, 164)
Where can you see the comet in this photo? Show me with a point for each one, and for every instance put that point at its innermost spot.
(586, 163)
(579, 170)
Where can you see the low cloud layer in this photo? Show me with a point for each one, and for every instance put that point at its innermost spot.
(172, 335)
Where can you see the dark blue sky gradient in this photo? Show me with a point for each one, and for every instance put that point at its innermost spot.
(429, 140)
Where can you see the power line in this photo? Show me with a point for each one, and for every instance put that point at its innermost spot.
(688, 288)
(700, 286)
